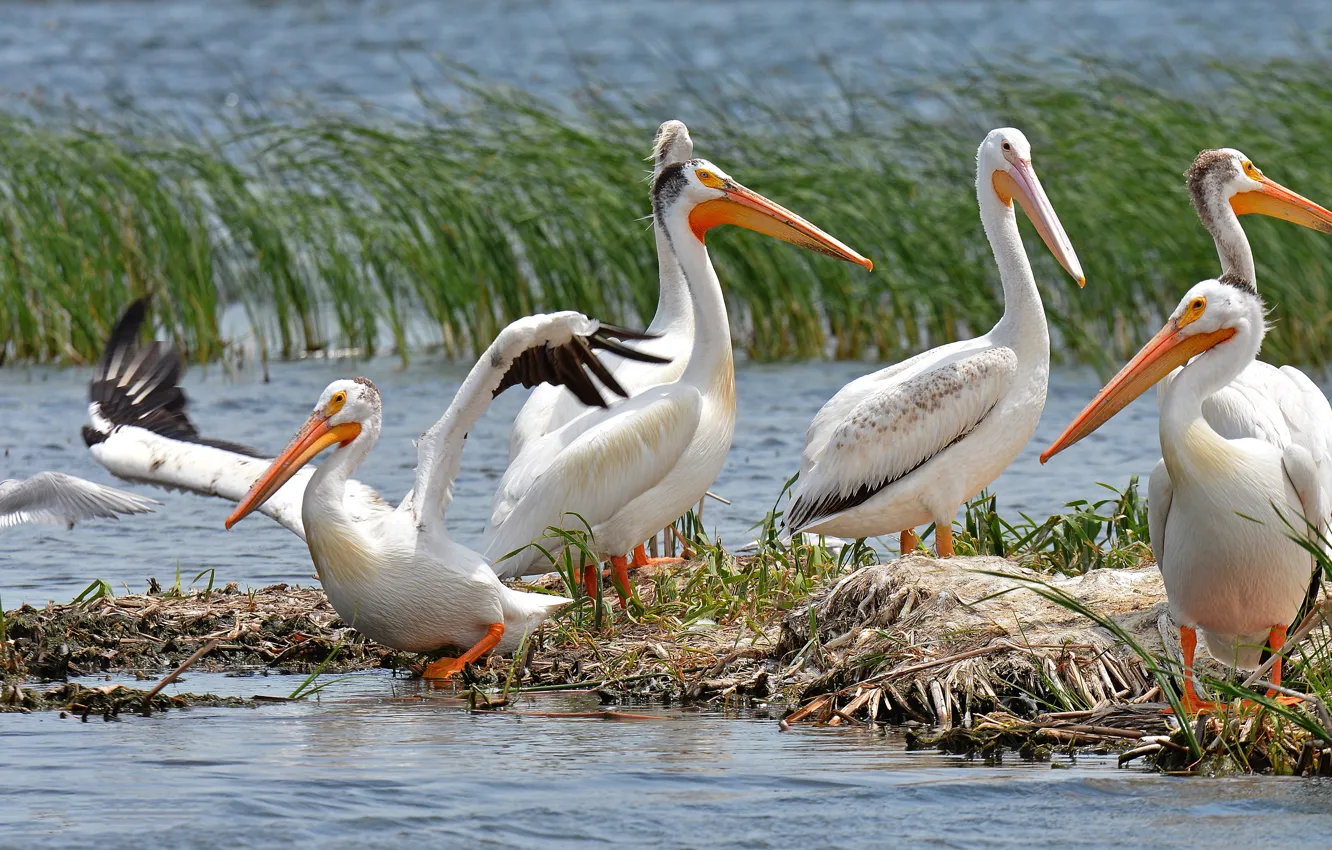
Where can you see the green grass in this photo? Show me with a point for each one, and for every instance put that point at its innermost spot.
(381, 232)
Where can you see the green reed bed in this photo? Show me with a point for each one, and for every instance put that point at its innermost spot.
(377, 231)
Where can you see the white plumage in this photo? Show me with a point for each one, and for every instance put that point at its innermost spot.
(60, 499)
(907, 445)
(549, 408)
(394, 574)
(629, 470)
(1221, 508)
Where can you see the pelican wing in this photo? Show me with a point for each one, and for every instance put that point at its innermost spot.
(1160, 493)
(592, 467)
(54, 497)
(1280, 406)
(912, 416)
(558, 349)
(140, 431)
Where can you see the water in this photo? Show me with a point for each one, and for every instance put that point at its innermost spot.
(384, 762)
(44, 409)
(381, 762)
(197, 58)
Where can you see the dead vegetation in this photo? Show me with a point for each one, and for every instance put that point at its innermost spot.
(963, 651)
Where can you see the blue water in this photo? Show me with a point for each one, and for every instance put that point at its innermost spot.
(381, 762)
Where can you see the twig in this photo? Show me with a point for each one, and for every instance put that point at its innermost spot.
(171, 677)
(925, 665)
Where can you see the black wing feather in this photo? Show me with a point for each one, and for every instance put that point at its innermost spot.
(140, 386)
(565, 365)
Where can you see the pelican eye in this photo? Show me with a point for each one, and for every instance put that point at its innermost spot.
(1251, 169)
(1193, 311)
(1007, 145)
(335, 403)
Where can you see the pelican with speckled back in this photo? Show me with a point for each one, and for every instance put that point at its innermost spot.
(907, 445)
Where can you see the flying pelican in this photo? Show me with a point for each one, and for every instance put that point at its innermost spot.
(1279, 405)
(633, 468)
(907, 445)
(394, 574)
(548, 409)
(1229, 566)
(60, 499)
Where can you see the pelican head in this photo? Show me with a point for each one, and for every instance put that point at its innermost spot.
(672, 144)
(711, 197)
(1004, 162)
(345, 409)
(1228, 176)
(1210, 315)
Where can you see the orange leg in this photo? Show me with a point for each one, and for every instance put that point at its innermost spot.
(444, 668)
(591, 578)
(1277, 639)
(620, 578)
(1193, 704)
(943, 539)
(641, 559)
(909, 541)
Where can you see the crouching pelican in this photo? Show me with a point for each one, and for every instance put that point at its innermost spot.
(394, 574)
(909, 444)
(1229, 565)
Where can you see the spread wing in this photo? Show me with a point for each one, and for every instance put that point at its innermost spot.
(140, 431)
(593, 466)
(54, 497)
(555, 348)
(909, 418)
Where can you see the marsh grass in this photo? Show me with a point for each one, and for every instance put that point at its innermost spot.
(376, 231)
(1109, 533)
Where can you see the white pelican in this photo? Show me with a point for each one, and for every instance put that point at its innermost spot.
(547, 408)
(1279, 405)
(633, 468)
(907, 445)
(394, 574)
(60, 499)
(1229, 565)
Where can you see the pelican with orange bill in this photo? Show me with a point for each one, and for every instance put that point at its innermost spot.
(1221, 533)
(907, 445)
(628, 471)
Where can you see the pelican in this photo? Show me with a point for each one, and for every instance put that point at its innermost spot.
(1220, 537)
(394, 574)
(907, 445)
(60, 499)
(547, 408)
(1279, 405)
(631, 469)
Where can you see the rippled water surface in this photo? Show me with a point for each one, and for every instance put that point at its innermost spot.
(44, 409)
(382, 762)
(386, 763)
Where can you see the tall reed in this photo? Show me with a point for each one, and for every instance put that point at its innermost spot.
(377, 231)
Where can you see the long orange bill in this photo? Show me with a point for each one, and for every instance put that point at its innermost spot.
(315, 436)
(1168, 349)
(1022, 184)
(749, 209)
(1277, 201)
